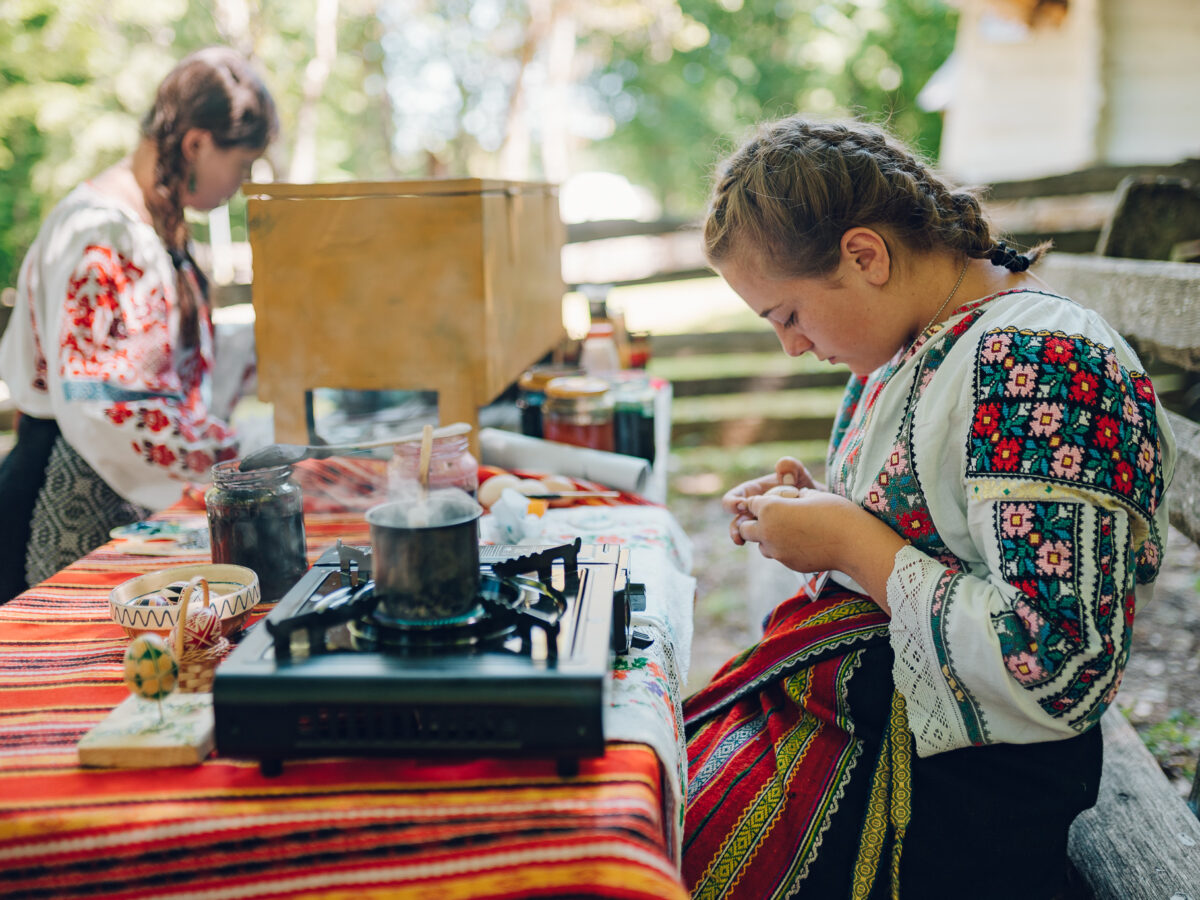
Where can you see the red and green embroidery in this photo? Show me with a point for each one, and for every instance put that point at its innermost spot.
(896, 496)
(1054, 620)
(116, 348)
(1039, 554)
(1061, 409)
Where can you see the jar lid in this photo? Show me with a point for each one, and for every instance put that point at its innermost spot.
(538, 377)
(577, 386)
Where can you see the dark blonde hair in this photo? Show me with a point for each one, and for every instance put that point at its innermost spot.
(217, 90)
(797, 186)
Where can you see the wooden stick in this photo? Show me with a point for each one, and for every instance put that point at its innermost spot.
(426, 452)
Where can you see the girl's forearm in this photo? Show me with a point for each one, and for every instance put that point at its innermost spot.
(869, 553)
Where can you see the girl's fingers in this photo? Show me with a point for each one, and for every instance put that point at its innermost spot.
(790, 470)
(735, 533)
(748, 528)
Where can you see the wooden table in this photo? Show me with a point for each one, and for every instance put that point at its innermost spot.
(396, 828)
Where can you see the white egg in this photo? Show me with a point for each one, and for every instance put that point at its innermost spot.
(531, 486)
(489, 492)
(785, 490)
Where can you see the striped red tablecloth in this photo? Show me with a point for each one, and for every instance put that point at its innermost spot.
(361, 828)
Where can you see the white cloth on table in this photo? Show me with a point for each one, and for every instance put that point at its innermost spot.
(647, 686)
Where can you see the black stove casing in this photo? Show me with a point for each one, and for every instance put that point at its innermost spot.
(474, 703)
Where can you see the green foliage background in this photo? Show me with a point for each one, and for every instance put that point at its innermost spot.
(761, 59)
(678, 80)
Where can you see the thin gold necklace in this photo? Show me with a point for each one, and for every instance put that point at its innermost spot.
(936, 315)
(851, 452)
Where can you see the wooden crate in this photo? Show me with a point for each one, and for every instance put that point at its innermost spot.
(453, 286)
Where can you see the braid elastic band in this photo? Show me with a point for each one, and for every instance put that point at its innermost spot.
(1004, 255)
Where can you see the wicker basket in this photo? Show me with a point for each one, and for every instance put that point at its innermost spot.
(197, 665)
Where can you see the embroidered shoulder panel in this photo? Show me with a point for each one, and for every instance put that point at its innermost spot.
(116, 349)
(1061, 409)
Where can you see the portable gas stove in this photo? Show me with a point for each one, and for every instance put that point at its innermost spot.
(525, 672)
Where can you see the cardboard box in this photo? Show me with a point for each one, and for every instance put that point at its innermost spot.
(453, 286)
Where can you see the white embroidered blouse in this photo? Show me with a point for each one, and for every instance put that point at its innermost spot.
(94, 344)
(1022, 452)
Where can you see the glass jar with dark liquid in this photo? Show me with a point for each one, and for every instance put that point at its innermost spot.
(256, 520)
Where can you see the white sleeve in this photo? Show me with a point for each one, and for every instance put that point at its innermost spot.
(126, 396)
(1066, 459)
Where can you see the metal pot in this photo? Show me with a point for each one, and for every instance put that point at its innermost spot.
(425, 556)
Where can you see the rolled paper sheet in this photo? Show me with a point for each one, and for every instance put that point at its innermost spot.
(509, 450)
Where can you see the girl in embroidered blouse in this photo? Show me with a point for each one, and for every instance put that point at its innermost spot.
(109, 351)
(922, 718)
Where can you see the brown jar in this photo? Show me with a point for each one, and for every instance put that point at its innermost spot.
(579, 410)
(532, 394)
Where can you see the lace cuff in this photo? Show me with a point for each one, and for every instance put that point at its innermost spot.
(912, 587)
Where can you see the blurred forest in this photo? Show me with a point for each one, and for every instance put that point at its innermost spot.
(655, 90)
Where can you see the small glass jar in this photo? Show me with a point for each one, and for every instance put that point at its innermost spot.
(256, 520)
(579, 411)
(451, 464)
(531, 387)
(633, 419)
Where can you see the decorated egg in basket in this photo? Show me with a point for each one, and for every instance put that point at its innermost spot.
(150, 602)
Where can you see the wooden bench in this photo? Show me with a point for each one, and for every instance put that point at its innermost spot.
(1141, 840)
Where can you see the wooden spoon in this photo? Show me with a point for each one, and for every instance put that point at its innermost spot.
(423, 465)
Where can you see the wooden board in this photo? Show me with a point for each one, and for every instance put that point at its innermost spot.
(133, 737)
(448, 286)
(1140, 841)
(1156, 304)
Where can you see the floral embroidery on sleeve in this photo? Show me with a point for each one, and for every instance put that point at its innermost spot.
(1058, 419)
(116, 350)
(1061, 409)
(1058, 624)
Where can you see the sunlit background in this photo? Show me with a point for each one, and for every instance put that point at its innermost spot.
(625, 103)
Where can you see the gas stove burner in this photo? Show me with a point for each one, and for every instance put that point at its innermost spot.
(377, 632)
(526, 672)
(491, 622)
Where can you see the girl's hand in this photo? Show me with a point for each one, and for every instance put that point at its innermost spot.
(808, 533)
(787, 471)
(818, 531)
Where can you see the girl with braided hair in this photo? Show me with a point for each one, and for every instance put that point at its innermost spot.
(109, 350)
(921, 721)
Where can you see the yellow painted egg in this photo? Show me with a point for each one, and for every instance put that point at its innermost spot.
(150, 667)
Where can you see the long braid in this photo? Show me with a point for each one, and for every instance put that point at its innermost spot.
(166, 211)
(798, 186)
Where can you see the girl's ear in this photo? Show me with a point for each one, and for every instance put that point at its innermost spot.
(193, 140)
(865, 251)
